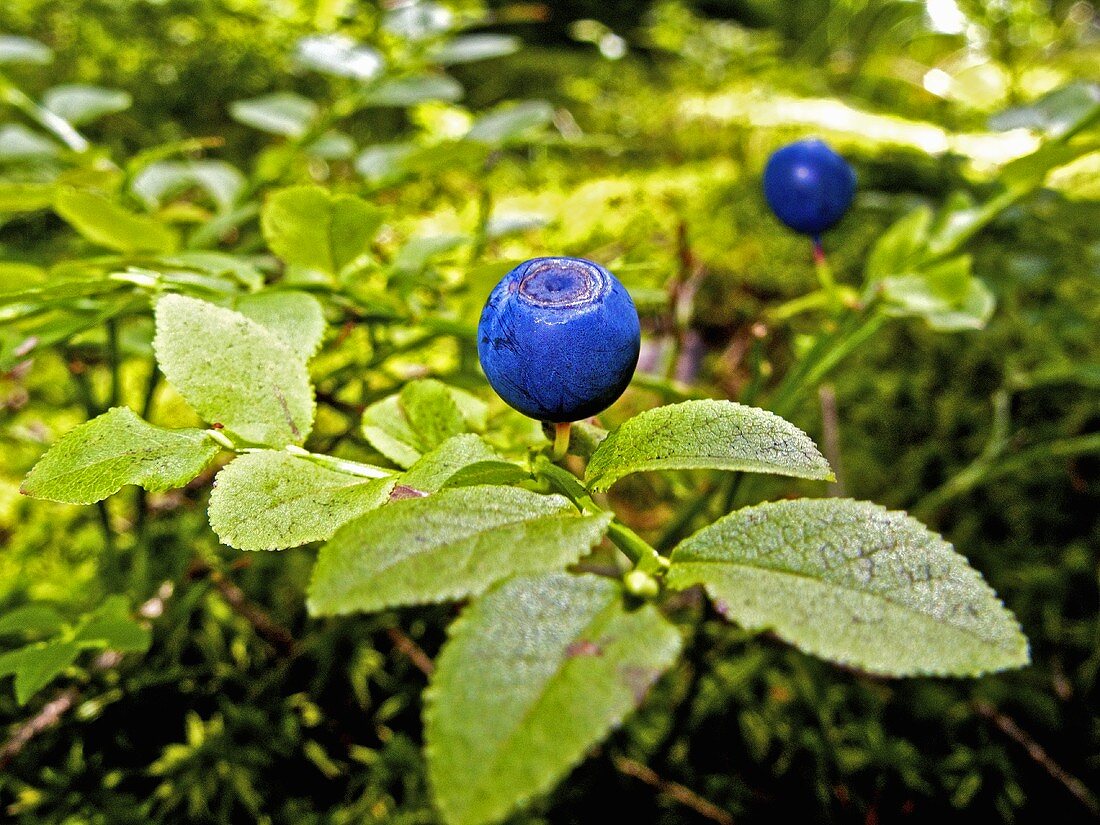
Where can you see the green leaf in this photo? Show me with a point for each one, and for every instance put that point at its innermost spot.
(720, 435)
(408, 91)
(79, 103)
(534, 674)
(431, 412)
(25, 197)
(217, 264)
(853, 583)
(98, 458)
(1054, 113)
(233, 371)
(332, 145)
(415, 254)
(896, 251)
(449, 545)
(511, 123)
(339, 55)
(435, 469)
(272, 500)
(111, 626)
(469, 48)
(18, 143)
(385, 162)
(437, 413)
(158, 182)
(946, 295)
(35, 666)
(493, 471)
(309, 227)
(282, 113)
(294, 317)
(15, 49)
(37, 619)
(418, 21)
(105, 223)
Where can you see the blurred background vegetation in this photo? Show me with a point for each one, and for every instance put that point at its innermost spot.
(664, 113)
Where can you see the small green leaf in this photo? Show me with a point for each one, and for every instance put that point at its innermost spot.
(217, 264)
(18, 143)
(438, 412)
(37, 619)
(469, 48)
(233, 371)
(35, 666)
(111, 626)
(431, 412)
(418, 21)
(332, 145)
(282, 113)
(272, 500)
(294, 317)
(534, 674)
(946, 295)
(853, 583)
(158, 182)
(511, 123)
(896, 251)
(25, 197)
(493, 471)
(1054, 113)
(449, 545)
(720, 435)
(98, 458)
(436, 468)
(105, 223)
(385, 162)
(307, 226)
(14, 49)
(339, 55)
(408, 91)
(80, 103)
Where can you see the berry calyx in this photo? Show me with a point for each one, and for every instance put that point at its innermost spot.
(559, 339)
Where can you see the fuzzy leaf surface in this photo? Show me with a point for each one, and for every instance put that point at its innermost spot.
(720, 435)
(854, 583)
(534, 673)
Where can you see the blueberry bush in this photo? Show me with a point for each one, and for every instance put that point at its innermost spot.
(633, 406)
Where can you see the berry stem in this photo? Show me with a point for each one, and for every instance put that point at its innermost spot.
(644, 556)
(825, 273)
(561, 441)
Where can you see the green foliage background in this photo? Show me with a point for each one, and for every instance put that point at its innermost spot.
(658, 157)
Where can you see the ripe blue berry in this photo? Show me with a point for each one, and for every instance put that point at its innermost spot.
(559, 339)
(809, 186)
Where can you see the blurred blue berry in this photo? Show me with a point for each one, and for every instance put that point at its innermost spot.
(559, 339)
(809, 186)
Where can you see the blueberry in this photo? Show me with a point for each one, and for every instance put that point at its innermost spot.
(559, 339)
(809, 186)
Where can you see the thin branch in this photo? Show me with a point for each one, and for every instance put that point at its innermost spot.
(830, 437)
(673, 790)
(404, 645)
(265, 626)
(1007, 725)
(51, 713)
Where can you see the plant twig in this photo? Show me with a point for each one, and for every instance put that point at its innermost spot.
(1007, 725)
(50, 715)
(265, 626)
(673, 790)
(404, 645)
(52, 712)
(830, 437)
